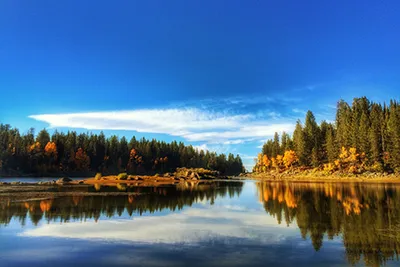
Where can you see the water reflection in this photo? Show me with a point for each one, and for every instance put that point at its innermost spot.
(365, 216)
(129, 199)
(345, 223)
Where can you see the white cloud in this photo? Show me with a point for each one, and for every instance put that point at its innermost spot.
(203, 147)
(190, 123)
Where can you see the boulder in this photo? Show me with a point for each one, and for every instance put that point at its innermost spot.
(63, 180)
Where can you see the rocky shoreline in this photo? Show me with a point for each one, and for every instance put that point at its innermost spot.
(180, 175)
(321, 177)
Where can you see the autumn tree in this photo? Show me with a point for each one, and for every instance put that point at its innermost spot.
(289, 158)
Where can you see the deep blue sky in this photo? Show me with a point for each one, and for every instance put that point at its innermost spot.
(269, 59)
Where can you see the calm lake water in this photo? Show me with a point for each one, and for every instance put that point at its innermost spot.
(225, 223)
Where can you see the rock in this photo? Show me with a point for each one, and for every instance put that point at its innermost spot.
(81, 182)
(63, 180)
(15, 183)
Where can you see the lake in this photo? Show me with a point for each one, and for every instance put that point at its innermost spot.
(221, 223)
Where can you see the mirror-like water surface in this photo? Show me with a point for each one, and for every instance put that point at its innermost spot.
(225, 223)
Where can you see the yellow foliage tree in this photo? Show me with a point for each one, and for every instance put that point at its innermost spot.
(279, 160)
(343, 154)
(34, 148)
(265, 160)
(354, 156)
(259, 159)
(349, 159)
(289, 158)
(274, 163)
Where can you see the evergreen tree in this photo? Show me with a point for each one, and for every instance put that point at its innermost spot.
(343, 123)
(276, 149)
(330, 145)
(313, 144)
(299, 144)
(375, 135)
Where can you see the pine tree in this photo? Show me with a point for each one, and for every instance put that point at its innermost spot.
(375, 136)
(313, 144)
(343, 124)
(299, 144)
(276, 149)
(331, 148)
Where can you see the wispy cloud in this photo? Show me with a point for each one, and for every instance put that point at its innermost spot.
(192, 124)
(296, 110)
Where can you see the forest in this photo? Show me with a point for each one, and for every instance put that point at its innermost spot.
(84, 154)
(365, 137)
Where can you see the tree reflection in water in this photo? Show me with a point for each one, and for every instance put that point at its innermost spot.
(365, 216)
(129, 199)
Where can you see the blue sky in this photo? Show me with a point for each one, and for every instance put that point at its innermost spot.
(222, 75)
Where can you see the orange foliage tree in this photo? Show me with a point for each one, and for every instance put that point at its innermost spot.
(50, 150)
(34, 148)
(135, 161)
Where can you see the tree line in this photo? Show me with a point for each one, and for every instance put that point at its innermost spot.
(86, 153)
(364, 137)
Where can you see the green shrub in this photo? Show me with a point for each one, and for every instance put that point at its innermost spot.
(98, 176)
(122, 176)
